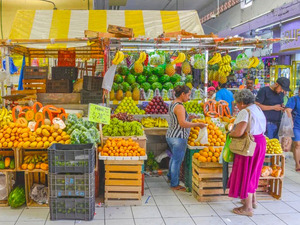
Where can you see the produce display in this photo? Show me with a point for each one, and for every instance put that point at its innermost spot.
(16, 197)
(120, 128)
(273, 146)
(208, 154)
(193, 107)
(127, 105)
(35, 161)
(81, 132)
(5, 117)
(154, 122)
(7, 162)
(274, 171)
(121, 147)
(157, 106)
(123, 116)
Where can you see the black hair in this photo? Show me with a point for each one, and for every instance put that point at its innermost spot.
(251, 78)
(181, 89)
(224, 85)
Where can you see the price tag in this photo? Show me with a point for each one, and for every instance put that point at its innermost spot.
(99, 114)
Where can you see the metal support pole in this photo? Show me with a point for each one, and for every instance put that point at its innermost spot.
(206, 74)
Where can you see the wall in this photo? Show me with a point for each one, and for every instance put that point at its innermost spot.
(10, 7)
(236, 15)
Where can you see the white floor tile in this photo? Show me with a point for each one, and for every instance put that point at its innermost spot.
(63, 222)
(292, 187)
(167, 200)
(290, 218)
(212, 220)
(155, 221)
(223, 209)
(140, 212)
(234, 220)
(120, 222)
(8, 223)
(295, 205)
(93, 222)
(289, 196)
(261, 210)
(278, 207)
(173, 211)
(267, 220)
(148, 200)
(200, 210)
(155, 179)
(162, 191)
(99, 214)
(187, 198)
(9, 215)
(179, 221)
(118, 213)
(161, 184)
(34, 214)
(41, 222)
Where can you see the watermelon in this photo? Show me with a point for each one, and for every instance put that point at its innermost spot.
(135, 85)
(147, 70)
(141, 79)
(146, 86)
(126, 86)
(178, 84)
(123, 70)
(175, 78)
(189, 79)
(118, 79)
(164, 79)
(16, 197)
(159, 70)
(156, 85)
(152, 79)
(130, 79)
(132, 71)
(115, 86)
(167, 86)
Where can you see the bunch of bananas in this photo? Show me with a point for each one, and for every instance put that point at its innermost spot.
(154, 122)
(35, 158)
(142, 57)
(253, 62)
(224, 66)
(180, 58)
(5, 117)
(215, 59)
(118, 58)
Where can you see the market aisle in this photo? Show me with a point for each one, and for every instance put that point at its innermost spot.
(163, 206)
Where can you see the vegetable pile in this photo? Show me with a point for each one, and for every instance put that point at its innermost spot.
(120, 128)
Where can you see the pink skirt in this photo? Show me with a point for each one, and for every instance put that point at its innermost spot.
(246, 170)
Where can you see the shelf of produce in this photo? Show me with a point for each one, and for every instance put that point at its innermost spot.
(35, 178)
(22, 153)
(155, 131)
(139, 139)
(12, 154)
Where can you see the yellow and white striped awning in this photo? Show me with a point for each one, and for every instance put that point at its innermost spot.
(64, 24)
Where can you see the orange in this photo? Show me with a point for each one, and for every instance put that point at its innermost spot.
(206, 149)
(212, 132)
(210, 154)
(222, 143)
(208, 159)
(219, 140)
(216, 154)
(5, 144)
(215, 136)
(214, 159)
(205, 154)
(217, 144)
(196, 155)
(210, 136)
(197, 143)
(192, 144)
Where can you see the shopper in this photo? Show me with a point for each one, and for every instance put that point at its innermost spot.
(270, 100)
(178, 133)
(211, 92)
(226, 95)
(250, 86)
(246, 170)
(293, 111)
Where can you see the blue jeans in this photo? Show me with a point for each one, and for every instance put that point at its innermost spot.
(178, 148)
(272, 130)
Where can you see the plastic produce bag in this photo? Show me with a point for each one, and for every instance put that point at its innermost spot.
(109, 78)
(227, 154)
(286, 126)
(75, 137)
(286, 143)
(202, 136)
(39, 193)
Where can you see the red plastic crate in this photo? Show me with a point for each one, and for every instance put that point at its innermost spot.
(66, 58)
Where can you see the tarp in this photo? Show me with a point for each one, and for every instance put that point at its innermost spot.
(63, 24)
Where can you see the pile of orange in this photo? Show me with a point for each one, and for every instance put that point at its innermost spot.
(208, 154)
(215, 135)
(121, 147)
(20, 136)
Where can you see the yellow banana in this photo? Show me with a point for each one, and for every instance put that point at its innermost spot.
(121, 57)
(116, 58)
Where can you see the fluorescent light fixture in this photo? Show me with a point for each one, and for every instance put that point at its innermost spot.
(277, 23)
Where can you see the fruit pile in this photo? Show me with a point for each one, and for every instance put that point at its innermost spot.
(123, 116)
(273, 146)
(127, 105)
(5, 116)
(120, 128)
(7, 162)
(208, 154)
(193, 107)
(154, 122)
(37, 161)
(121, 147)
(157, 106)
(215, 135)
(274, 171)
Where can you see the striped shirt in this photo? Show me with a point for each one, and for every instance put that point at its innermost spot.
(175, 130)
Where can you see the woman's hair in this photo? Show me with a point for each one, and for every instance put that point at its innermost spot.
(181, 89)
(244, 96)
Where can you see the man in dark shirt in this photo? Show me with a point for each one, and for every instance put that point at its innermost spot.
(250, 86)
(270, 100)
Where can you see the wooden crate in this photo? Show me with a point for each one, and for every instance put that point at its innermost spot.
(120, 31)
(12, 153)
(35, 84)
(123, 182)
(30, 95)
(34, 178)
(59, 98)
(10, 180)
(21, 153)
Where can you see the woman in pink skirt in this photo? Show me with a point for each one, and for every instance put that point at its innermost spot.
(246, 170)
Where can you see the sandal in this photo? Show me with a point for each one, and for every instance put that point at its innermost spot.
(242, 212)
(254, 205)
(178, 188)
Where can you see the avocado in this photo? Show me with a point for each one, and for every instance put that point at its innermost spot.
(12, 164)
(2, 165)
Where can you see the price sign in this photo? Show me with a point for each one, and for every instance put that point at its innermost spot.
(99, 114)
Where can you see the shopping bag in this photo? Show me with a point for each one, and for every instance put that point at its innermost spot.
(286, 126)
(227, 154)
(202, 136)
(109, 78)
(286, 143)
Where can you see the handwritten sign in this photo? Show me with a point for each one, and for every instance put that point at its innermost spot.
(99, 114)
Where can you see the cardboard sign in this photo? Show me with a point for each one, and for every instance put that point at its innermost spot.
(99, 114)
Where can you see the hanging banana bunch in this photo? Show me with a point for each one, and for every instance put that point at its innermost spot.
(118, 58)
(180, 58)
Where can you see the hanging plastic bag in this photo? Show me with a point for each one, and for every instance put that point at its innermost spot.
(202, 136)
(109, 78)
(286, 126)
(227, 154)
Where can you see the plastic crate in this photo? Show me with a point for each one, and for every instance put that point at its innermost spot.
(64, 73)
(35, 72)
(92, 83)
(72, 208)
(72, 185)
(71, 158)
(59, 86)
(188, 172)
(91, 97)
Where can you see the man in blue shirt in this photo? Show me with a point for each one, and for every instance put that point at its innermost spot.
(224, 94)
(250, 86)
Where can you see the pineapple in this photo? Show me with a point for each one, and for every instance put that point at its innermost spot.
(170, 70)
(136, 94)
(223, 79)
(128, 94)
(186, 67)
(112, 95)
(119, 95)
(138, 67)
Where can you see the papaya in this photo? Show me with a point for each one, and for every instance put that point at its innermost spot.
(16, 112)
(7, 162)
(37, 106)
(22, 121)
(29, 115)
(39, 116)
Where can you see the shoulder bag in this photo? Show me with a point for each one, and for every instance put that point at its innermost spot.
(244, 145)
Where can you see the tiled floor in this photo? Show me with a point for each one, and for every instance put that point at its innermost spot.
(165, 207)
